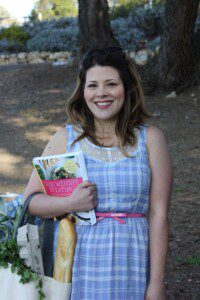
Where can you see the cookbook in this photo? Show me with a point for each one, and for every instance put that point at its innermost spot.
(60, 175)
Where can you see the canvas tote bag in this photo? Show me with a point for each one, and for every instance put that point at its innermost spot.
(11, 288)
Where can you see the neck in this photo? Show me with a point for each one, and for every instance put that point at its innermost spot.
(105, 133)
(105, 128)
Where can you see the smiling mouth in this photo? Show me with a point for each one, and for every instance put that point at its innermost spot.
(103, 104)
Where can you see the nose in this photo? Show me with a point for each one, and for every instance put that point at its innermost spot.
(101, 92)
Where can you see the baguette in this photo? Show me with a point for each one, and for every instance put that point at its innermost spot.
(65, 251)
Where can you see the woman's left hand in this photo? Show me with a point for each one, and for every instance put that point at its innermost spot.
(156, 291)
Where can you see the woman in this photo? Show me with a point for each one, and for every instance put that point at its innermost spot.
(129, 171)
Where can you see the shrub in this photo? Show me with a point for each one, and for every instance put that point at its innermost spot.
(11, 47)
(54, 40)
(126, 6)
(13, 39)
(14, 33)
(148, 20)
(126, 33)
(35, 28)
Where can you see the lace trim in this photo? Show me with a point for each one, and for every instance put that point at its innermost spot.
(105, 154)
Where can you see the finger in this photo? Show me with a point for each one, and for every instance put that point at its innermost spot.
(86, 184)
(92, 188)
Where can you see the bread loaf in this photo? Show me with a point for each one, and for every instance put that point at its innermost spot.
(65, 251)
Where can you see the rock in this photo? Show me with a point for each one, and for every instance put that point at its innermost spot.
(37, 61)
(62, 57)
(157, 114)
(192, 95)
(44, 54)
(32, 56)
(59, 63)
(55, 56)
(132, 55)
(21, 57)
(141, 57)
(171, 95)
(2, 59)
(12, 59)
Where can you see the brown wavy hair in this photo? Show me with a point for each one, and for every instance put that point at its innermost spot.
(133, 113)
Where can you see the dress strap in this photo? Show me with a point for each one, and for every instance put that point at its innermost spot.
(71, 136)
(142, 134)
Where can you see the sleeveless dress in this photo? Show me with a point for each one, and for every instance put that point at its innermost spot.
(111, 259)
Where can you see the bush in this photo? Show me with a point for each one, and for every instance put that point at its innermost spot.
(129, 36)
(53, 40)
(135, 31)
(126, 6)
(148, 20)
(13, 39)
(14, 33)
(11, 47)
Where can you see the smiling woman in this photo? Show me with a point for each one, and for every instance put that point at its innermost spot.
(123, 255)
(104, 93)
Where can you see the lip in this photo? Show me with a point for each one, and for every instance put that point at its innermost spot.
(104, 104)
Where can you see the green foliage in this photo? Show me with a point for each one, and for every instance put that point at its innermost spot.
(45, 8)
(124, 7)
(63, 8)
(189, 260)
(54, 8)
(9, 250)
(14, 33)
(9, 253)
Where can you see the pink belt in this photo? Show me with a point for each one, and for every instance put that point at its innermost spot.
(117, 216)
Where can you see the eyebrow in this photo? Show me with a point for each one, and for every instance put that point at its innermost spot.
(106, 80)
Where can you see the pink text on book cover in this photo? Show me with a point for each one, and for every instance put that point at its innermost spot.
(61, 187)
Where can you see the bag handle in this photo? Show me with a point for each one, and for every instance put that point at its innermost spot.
(47, 248)
(21, 220)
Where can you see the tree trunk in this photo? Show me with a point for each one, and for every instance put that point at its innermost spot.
(94, 25)
(176, 62)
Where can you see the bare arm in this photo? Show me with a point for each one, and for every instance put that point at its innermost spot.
(160, 192)
(45, 206)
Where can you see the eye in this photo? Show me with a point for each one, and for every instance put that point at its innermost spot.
(91, 85)
(112, 83)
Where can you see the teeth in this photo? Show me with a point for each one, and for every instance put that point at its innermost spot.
(103, 103)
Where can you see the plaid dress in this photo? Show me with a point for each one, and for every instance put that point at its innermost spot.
(111, 259)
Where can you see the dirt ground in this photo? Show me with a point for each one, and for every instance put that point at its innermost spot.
(33, 106)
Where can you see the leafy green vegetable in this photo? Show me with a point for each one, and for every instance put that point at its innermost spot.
(9, 252)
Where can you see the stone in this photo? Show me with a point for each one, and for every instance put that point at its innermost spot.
(32, 56)
(44, 54)
(132, 55)
(21, 57)
(37, 61)
(12, 59)
(141, 57)
(171, 95)
(55, 56)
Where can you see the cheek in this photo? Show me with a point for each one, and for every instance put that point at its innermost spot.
(120, 94)
(87, 95)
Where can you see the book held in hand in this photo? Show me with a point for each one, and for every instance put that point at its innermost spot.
(60, 175)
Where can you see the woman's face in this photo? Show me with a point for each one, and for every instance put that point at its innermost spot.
(104, 93)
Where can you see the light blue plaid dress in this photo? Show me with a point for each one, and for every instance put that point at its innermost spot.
(111, 259)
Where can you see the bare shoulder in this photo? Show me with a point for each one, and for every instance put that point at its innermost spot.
(57, 144)
(154, 134)
(156, 144)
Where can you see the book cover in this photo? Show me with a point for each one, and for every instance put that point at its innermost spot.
(60, 175)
